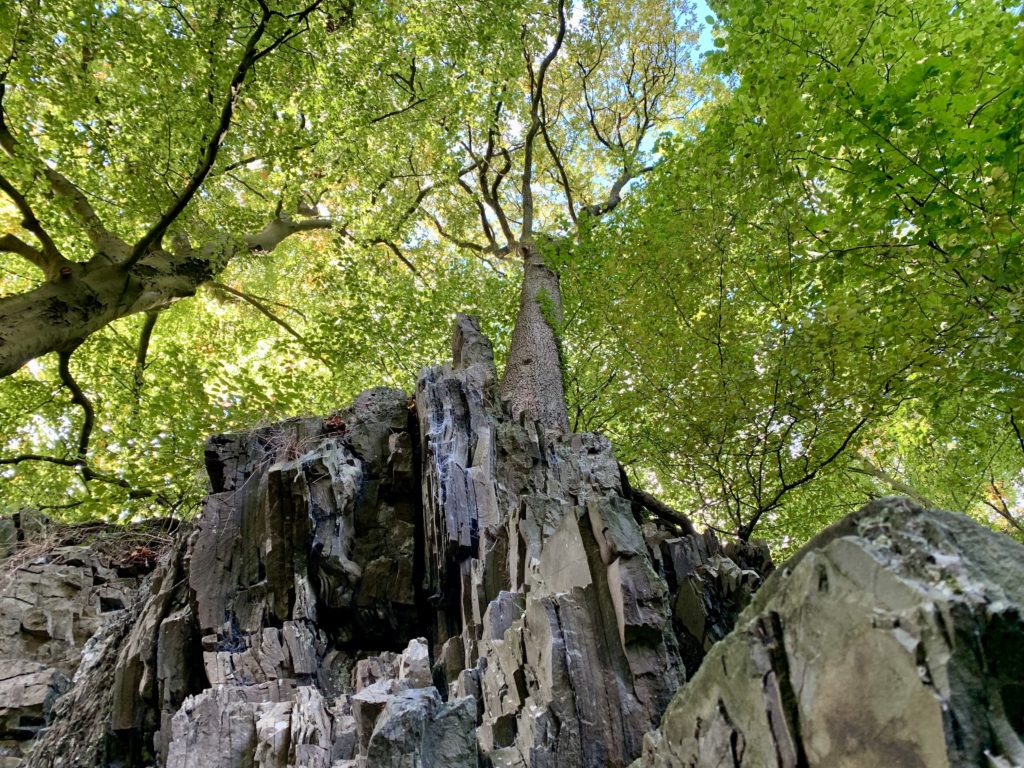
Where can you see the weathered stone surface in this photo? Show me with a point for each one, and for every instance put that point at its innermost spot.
(27, 694)
(417, 730)
(565, 622)
(57, 592)
(114, 680)
(414, 664)
(711, 584)
(893, 638)
(406, 582)
(52, 604)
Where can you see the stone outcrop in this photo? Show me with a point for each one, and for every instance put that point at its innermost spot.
(429, 581)
(413, 581)
(893, 638)
(550, 609)
(58, 590)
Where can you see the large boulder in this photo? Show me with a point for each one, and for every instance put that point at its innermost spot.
(895, 637)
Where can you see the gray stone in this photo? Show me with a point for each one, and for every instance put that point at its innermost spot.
(417, 730)
(893, 638)
(267, 636)
(28, 691)
(414, 664)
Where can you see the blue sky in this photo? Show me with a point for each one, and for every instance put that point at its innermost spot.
(702, 10)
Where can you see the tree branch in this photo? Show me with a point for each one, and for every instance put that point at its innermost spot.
(536, 96)
(1001, 508)
(38, 457)
(1017, 430)
(102, 240)
(902, 488)
(398, 252)
(481, 212)
(468, 245)
(663, 511)
(260, 307)
(559, 166)
(268, 238)
(114, 248)
(78, 397)
(747, 530)
(14, 244)
(249, 58)
(141, 352)
(51, 260)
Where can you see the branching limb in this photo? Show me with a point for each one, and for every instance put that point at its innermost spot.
(79, 398)
(391, 246)
(485, 225)
(870, 470)
(268, 238)
(413, 103)
(102, 240)
(262, 308)
(664, 512)
(250, 56)
(113, 247)
(39, 457)
(80, 460)
(1017, 430)
(998, 505)
(50, 260)
(141, 353)
(810, 473)
(469, 245)
(536, 97)
(14, 244)
(615, 193)
(563, 176)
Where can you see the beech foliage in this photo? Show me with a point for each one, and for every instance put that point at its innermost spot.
(791, 266)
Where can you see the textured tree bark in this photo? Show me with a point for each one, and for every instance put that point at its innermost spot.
(532, 384)
(60, 314)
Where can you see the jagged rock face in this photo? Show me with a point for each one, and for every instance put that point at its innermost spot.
(419, 582)
(52, 600)
(556, 616)
(411, 582)
(893, 638)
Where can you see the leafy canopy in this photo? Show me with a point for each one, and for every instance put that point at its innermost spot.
(809, 294)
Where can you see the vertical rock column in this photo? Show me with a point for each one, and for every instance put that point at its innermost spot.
(550, 610)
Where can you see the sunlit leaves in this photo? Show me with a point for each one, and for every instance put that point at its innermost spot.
(839, 244)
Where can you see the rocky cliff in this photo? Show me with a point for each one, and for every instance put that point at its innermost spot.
(425, 581)
(894, 638)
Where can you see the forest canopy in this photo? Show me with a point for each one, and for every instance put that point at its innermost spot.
(791, 269)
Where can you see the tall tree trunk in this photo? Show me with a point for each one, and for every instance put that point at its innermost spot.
(532, 383)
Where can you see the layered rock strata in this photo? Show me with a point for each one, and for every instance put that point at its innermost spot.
(57, 590)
